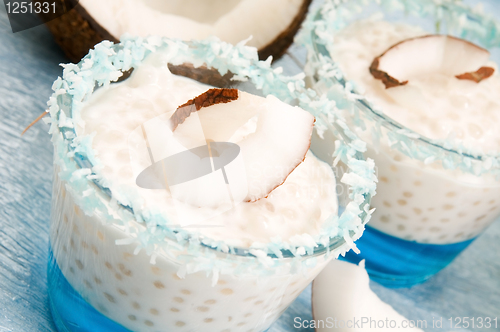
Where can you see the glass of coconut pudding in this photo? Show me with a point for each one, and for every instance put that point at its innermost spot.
(179, 206)
(416, 81)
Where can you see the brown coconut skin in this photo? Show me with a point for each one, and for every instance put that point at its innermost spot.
(280, 44)
(206, 99)
(391, 82)
(77, 32)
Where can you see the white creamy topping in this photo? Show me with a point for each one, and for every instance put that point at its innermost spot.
(297, 207)
(435, 106)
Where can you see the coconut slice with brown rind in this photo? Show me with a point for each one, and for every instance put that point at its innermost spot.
(209, 98)
(429, 54)
(86, 24)
(273, 137)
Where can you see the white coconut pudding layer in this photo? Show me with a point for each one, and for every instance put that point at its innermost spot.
(126, 287)
(149, 276)
(424, 201)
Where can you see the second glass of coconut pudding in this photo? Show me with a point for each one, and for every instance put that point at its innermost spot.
(179, 206)
(416, 81)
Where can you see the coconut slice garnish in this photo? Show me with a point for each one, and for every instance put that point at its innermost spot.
(273, 137)
(342, 292)
(209, 98)
(429, 54)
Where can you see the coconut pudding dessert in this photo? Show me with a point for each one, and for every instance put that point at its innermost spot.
(427, 106)
(271, 24)
(179, 206)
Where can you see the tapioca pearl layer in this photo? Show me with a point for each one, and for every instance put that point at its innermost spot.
(444, 107)
(144, 297)
(423, 204)
(298, 206)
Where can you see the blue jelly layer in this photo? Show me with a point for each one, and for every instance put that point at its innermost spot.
(71, 313)
(395, 263)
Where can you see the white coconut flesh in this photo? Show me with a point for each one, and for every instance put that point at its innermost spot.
(342, 291)
(230, 20)
(273, 138)
(429, 55)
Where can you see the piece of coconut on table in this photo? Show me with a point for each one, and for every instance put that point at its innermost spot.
(255, 141)
(272, 24)
(341, 293)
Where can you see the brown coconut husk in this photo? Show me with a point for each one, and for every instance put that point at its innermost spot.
(75, 31)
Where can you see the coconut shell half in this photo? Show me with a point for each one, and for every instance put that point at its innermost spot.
(77, 31)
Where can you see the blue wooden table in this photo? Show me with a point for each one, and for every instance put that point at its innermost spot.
(29, 63)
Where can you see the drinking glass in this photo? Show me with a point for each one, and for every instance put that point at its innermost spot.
(115, 267)
(433, 197)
